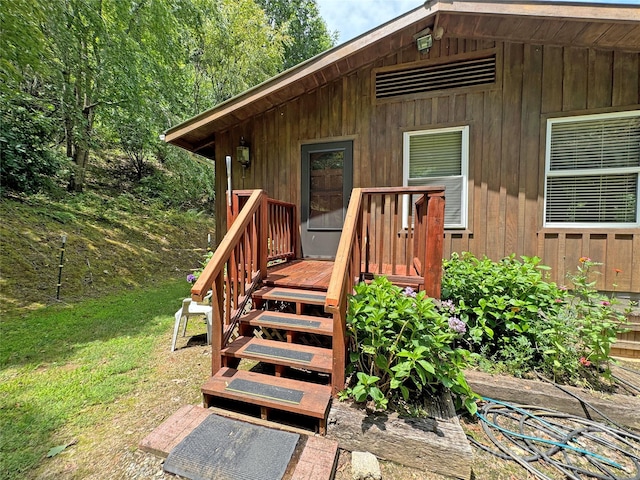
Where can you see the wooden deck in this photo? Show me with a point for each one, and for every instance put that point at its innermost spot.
(315, 274)
(307, 274)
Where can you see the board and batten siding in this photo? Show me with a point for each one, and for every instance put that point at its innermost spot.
(507, 128)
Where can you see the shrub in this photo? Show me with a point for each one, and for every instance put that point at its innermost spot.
(403, 344)
(29, 162)
(519, 322)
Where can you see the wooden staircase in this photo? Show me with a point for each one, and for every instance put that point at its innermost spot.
(279, 359)
(279, 346)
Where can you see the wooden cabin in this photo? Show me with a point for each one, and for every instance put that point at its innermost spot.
(528, 113)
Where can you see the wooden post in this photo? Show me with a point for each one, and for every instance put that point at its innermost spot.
(217, 331)
(339, 350)
(264, 234)
(434, 240)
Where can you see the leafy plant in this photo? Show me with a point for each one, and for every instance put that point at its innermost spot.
(403, 345)
(518, 322)
(598, 323)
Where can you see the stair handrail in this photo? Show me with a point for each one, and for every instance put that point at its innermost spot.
(428, 236)
(281, 232)
(235, 269)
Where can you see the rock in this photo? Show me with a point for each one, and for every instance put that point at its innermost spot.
(365, 466)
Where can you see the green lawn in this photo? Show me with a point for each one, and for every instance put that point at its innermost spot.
(58, 364)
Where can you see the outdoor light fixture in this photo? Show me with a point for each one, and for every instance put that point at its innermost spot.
(242, 152)
(424, 43)
(425, 38)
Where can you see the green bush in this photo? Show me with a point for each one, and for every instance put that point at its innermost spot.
(519, 323)
(499, 300)
(403, 344)
(28, 161)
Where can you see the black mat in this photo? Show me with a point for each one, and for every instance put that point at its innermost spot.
(224, 449)
(288, 321)
(302, 296)
(275, 352)
(264, 390)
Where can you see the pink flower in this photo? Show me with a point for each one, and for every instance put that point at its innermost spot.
(563, 288)
(604, 303)
(585, 362)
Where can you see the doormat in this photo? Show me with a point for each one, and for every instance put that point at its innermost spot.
(224, 449)
(264, 390)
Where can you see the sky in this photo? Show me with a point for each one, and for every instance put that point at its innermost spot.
(354, 17)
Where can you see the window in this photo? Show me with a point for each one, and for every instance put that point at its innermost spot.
(592, 171)
(439, 157)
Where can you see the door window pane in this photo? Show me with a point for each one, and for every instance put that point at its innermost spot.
(326, 197)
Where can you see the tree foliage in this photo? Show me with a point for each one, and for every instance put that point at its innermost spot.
(81, 76)
(301, 20)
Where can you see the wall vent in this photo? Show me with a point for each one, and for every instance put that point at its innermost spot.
(429, 78)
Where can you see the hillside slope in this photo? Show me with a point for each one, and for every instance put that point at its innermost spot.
(113, 243)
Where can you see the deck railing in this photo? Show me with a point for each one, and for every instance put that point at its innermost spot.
(379, 236)
(235, 269)
(281, 231)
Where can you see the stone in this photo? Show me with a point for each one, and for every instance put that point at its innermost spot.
(365, 466)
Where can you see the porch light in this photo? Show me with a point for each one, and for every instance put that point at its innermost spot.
(424, 43)
(242, 152)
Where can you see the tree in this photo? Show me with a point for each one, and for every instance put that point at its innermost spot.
(307, 30)
(233, 48)
(89, 74)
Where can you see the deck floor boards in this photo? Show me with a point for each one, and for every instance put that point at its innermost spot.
(308, 274)
(316, 274)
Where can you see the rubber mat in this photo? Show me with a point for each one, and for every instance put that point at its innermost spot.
(265, 390)
(288, 321)
(283, 353)
(298, 295)
(224, 449)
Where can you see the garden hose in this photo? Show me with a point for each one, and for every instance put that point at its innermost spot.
(546, 442)
(582, 401)
(626, 383)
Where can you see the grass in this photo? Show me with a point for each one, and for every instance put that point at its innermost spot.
(62, 366)
(113, 243)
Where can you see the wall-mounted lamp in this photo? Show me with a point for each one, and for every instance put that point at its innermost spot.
(242, 152)
(425, 38)
(424, 43)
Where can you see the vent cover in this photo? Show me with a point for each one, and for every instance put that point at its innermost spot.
(464, 73)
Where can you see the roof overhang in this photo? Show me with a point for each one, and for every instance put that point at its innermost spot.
(604, 26)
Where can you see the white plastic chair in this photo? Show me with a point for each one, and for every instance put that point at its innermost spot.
(191, 309)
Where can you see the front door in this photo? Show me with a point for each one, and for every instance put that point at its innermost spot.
(327, 180)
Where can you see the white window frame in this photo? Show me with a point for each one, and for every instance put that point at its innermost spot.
(464, 172)
(587, 172)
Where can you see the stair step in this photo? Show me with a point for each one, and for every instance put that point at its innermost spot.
(289, 322)
(281, 353)
(632, 327)
(309, 399)
(307, 297)
(625, 344)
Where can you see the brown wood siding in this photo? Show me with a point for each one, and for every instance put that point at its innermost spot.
(506, 145)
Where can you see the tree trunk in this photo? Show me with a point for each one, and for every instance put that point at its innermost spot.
(81, 151)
